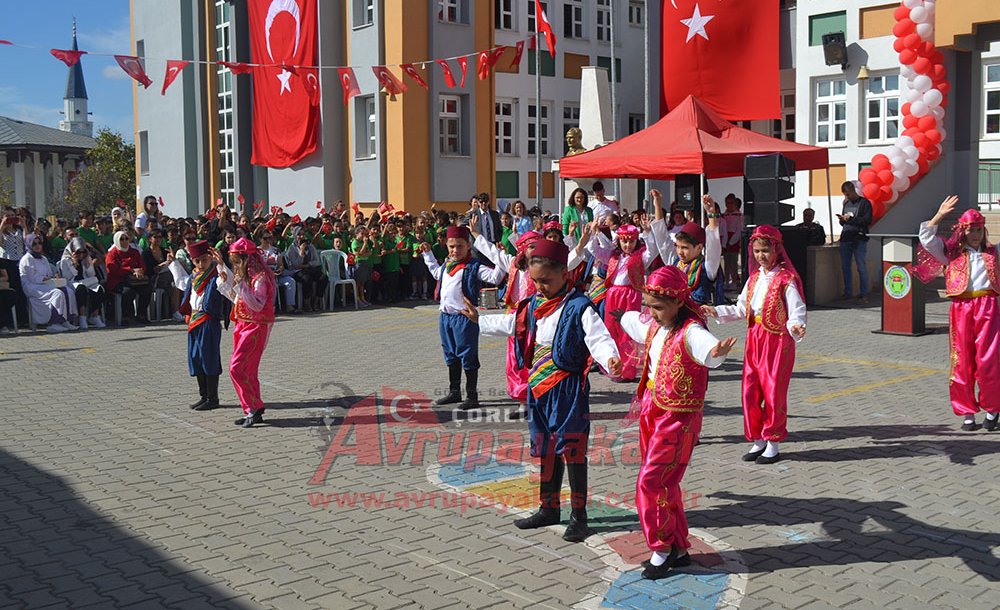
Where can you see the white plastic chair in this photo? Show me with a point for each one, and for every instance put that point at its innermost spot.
(118, 306)
(335, 268)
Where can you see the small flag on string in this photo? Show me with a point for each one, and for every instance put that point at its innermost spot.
(518, 51)
(349, 81)
(484, 65)
(388, 80)
(6, 42)
(463, 63)
(174, 67)
(237, 67)
(133, 67)
(411, 71)
(449, 78)
(68, 57)
(496, 54)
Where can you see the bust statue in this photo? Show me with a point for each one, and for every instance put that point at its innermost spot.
(574, 137)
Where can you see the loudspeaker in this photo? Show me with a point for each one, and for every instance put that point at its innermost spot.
(687, 192)
(835, 49)
(768, 213)
(767, 179)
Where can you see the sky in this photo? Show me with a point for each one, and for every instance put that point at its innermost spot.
(32, 82)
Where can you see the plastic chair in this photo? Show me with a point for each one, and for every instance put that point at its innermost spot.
(13, 316)
(118, 307)
(335, 268)
(155, 309)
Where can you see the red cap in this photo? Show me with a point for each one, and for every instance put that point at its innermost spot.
(198, 248)
(458, 233)
(694, 231)
(552, 250)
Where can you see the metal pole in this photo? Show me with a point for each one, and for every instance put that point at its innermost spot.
(645, 65)
(538, 115)
(829, 202)
(614, 90)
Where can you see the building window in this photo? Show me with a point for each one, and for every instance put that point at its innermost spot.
(636, 123)
(635, 13)
(571, 119)
(784, 128)
(504, 14)
(366, 127)
(991, 102)
(144, 153)
(506, 113)
(603, 20)
(364, 13)
(831, 111)
(450, 125)
(531, 14)
(548, 63)
(605, 62)
(453, 11)
(825, 24)
(573, 19)
(882, 108)
(532, 127)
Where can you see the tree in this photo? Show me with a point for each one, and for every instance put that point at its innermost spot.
(6, 190)
(108, 175)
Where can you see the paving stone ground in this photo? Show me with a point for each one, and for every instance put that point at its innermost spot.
(115, 494)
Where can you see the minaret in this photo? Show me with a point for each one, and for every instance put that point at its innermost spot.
(77, 119)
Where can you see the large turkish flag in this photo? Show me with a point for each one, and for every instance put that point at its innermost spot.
(725, 53)
(285, 113)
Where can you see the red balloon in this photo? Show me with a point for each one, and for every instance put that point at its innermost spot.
(935, 55)
(870, 191)
(912, 41)
(933, 136)
(905, 109)
(944, 88)
(886, 193)
(867, 175)
(881, 162)
(944, 103)
(938, 72)
(878, 209)
(897, 45)
(901, 13)
(925, 122)
(907, 56)
(925, 49)
(933, 153)
(922, 65)
(885, 177)
(922, 165)
(919, 139)
(903, 27)
(909, 121)
(911, 131)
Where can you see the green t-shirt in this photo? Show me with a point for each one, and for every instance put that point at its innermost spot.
(440, 251)
(58, 244)
(88, 234)
(406, 254)
(390, 260)
(105, 241)
(505, 241)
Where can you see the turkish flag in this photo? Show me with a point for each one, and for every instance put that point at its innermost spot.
(236, 67)
(412, 72)
(285, 108)
(349, 81)
(518, 52)
(133, 67)
(544, 27)
(723, 53)
(6, 42)
(449, 78)
(484, 65)
(66, 56)
(388, 80)
(174, 67)
(463, 63)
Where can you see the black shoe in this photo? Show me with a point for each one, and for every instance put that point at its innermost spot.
(991, 424)
(450, 398)
(682, 561)
(240, 421)
(970, 426)
(657, 572)
(521, 413)
(577, 530)
(674, 560)
(197, 406)
(258, 417)
(542, 518)
(472, 402)
(751, 456)
(471, 390)
(202, 391)
(208, 405)
(454, 394)
(254, 418)
(768, 460)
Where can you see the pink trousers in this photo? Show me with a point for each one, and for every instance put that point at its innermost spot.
(249, 341)
(767, 369)
(666, 440)
(975, 355)
(517, 378)
(619, 300)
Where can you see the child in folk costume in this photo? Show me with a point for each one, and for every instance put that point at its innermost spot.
(971, 268)
(627, 264)
(696, 250)
(202, 307)
(671, 395)
(458, 281)
(556, 333)
(250, 287)
(773, 304)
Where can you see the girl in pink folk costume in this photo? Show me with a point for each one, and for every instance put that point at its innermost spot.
(972, 281)
(250, 287)
(670, 398)
(773, 304)
(627, 264)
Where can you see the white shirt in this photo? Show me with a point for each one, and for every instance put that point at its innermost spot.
(978, 279)
(667, 246)
(796, 307)
(602, 248)
(733, 224)
(603, 209)
(699, 341)
(452, 298)
(182, 280)
(602, 347)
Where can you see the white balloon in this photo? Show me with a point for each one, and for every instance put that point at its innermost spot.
(911, 168)
(938, 113)
(944, 134)
(922, 83)
(933, 98)
(926, 30)
(929, 6)
(895, 196)
(912, 3)
(912, 152)
(904, 142)
(919, 109)
(912, 95)
(900, 182)
(918, 14)
(896, 158)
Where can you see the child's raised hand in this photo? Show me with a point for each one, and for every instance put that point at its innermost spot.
(708, 203)
(615, 367)
(425, 247)
(948, 205)
(470, 311)
(474, 224)
(709, 311)
(723, 347)
(799, 331)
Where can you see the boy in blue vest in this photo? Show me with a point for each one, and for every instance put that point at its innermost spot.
(698, 250)
(458, 283)
(202, 307)
(556, 333)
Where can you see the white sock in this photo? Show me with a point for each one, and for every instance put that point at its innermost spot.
(772, 449)
(991, 416)
(658, 558)
(757, 446)
(970, 419)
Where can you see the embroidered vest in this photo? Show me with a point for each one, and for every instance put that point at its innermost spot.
(956, 274)
(264, 316)
(569, 351)
(697, 279)
(636, 272)
(519, 287)
(470, 281)
(680, 382)
(774, 313)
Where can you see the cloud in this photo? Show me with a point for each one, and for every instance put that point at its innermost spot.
(115, 40)
(114, 72)
(33, 113)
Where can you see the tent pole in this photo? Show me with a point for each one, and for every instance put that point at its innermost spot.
(829, 201)
(698, 203)
(538, 116)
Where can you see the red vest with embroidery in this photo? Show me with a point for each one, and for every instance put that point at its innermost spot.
(636, 272)
(956, 274)
(264, 316)
(680, 382)
(773, 316)
(519, 287)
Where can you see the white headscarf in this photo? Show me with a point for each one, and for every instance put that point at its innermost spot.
(115, 244)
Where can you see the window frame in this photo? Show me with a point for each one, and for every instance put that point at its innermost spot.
(505, 9)
(446, 117)
(546, 135)
(574, 20)
(636, 14)
(831, 100)
(988, 88)
(884, 100)
(602, 31)
(510, 118)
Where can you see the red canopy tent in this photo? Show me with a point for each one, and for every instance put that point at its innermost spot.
(691, 139)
